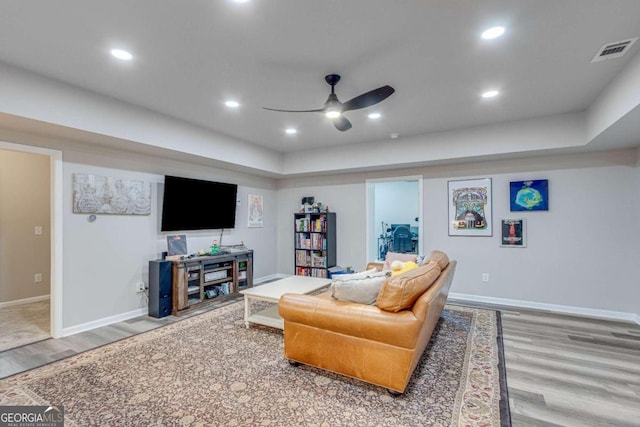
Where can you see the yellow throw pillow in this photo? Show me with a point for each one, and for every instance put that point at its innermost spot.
(402, 267)
(393, 256)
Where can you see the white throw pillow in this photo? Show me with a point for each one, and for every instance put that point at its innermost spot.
(362, 289)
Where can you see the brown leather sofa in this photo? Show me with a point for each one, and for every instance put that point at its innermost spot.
(367, 342)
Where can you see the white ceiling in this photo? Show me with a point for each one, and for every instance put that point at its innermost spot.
(192, 55)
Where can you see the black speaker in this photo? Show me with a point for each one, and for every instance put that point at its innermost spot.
(160, 288)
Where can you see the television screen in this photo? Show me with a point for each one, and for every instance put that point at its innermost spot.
(194, 204)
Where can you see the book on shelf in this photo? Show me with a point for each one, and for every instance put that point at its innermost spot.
(319, 272)
(319, 225)
(303, 241)
(318, 260)
(318, 242)
(303, 271)
(302, 224)
(302, 258)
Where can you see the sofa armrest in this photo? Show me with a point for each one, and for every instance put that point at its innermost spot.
(353, 319)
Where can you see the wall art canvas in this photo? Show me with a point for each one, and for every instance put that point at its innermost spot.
(255, 211)
(97, 194)
(470, 207)
(529, 195)
(513, 233)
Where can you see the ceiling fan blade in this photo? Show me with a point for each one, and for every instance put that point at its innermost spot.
(342, 124)
(295, 111)
(367, 99)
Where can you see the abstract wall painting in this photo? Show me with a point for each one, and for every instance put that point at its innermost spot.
(470, 210)
(97, 194)
(530, 195)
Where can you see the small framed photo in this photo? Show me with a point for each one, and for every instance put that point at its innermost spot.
(256, 211)
(530, 195)
(513, 233)
(470, 207)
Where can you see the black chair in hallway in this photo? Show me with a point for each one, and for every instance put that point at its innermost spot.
(402, 240)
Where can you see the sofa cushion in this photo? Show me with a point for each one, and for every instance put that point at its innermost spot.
(399, 267)
(400, 292)
(394, 256)
(349, 276)
(440, 257)
(362, 289)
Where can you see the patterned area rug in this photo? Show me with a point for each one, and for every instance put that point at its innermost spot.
(210, 370)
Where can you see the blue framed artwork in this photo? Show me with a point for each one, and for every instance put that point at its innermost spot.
(529, 195)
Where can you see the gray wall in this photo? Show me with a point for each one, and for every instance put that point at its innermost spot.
(24, 204)
(582, 253)
(104, 259)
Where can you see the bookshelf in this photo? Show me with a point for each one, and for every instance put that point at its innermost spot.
(314, 243)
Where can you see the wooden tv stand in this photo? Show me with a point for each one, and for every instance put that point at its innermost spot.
(210, 278)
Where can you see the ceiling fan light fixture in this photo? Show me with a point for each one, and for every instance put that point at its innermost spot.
(122, 54)
(490, 94)
(493, 33)
(333, 114)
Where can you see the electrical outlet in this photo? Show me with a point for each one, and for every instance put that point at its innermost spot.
(141, 287)
(37, 278)
(485, 277)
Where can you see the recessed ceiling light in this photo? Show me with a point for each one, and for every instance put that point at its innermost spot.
(394, 135)
(232, 104)
(375, 116)
(122, 54)
(490, 94)
(493, 33)
(291, 131)
(240, 1)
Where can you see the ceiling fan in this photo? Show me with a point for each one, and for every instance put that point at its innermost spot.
(334, 109)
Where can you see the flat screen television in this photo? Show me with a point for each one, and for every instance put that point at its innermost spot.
(194, 204)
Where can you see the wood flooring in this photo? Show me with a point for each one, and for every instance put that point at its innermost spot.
(570, 371)
(561, 370)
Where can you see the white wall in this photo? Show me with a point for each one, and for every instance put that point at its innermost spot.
(104, 259)
(396, 203)
(346, 200)
(582, 253)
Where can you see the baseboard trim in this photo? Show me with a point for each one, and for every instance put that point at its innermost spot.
(555, 308)
(72, 330)
(24, 301)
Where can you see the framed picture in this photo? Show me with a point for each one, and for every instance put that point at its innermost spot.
(513, 233)
(470, 207)
(96, 194)
(255, 211)
(529, 195)
(177, 245)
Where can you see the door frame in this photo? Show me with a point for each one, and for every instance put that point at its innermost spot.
(370, 204)
(55, 224)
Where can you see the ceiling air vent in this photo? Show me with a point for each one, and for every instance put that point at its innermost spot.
(613, 50)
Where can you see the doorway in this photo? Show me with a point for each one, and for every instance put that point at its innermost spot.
(394, 216)
(52, 224)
